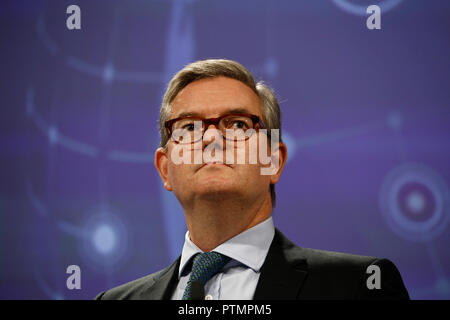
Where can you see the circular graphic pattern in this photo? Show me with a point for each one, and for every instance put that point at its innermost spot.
(414, 202)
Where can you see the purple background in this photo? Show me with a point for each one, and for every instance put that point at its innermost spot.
(365, 117)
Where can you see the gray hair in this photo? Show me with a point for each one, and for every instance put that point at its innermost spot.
(212, 68)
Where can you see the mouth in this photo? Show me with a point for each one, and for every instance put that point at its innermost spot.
(214, 164)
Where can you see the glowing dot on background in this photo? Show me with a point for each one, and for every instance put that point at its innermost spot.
(108, 73)
(105, 243)
(52, 134)
(416, 202)
(104, 239)
(394, 120)
(271, 67)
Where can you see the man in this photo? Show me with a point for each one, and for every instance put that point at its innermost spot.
(232, 249)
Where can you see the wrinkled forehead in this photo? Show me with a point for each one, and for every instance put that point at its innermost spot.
(212, 97)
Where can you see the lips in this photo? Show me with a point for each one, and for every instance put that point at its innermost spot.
(214, 163)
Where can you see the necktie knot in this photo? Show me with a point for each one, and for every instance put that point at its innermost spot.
(204, 267)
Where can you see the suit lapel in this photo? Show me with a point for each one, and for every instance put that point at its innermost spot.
(281, 275)
(163, 284)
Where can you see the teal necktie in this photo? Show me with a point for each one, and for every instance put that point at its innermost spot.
(204, 267)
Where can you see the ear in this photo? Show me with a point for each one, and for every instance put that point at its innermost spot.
(161, 164)
(281, 157)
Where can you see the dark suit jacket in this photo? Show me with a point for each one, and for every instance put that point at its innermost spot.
(289, 272)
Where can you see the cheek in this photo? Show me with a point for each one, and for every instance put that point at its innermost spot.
(256, 150)
(176, 174)
(250, 174)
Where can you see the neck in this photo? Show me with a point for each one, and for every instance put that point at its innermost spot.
(211, 222)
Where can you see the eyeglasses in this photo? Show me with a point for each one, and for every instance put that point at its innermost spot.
(185, 130)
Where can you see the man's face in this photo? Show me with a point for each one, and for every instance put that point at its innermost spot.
(211, 98)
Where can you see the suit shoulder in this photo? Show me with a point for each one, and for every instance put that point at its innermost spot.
(322, 258)
(338, 275)
(132, 289)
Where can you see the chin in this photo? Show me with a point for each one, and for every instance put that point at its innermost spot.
(215, 188)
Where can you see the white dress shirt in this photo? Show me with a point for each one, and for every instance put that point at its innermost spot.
(239, 277)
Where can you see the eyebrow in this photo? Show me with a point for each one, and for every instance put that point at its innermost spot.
(238, 110)
(188, 114)
(196, 114)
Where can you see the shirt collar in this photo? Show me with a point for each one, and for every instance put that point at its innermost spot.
(249, 247)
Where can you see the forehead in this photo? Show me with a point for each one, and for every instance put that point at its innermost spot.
(211, 97)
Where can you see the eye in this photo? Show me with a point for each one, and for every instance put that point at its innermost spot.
(239, 124)
(188, 127)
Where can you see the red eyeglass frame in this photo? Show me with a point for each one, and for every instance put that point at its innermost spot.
(215, 121)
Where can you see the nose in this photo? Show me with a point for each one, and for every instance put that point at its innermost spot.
(214, 126)
(212, 134)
